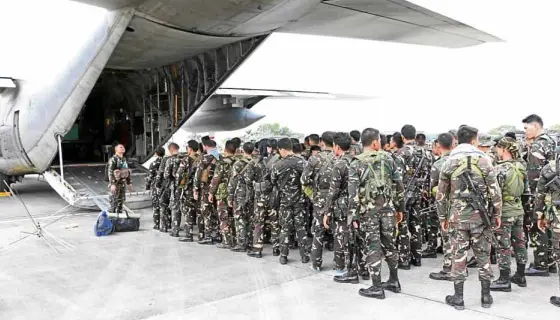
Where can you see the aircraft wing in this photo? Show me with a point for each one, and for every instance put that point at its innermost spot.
(242, 92)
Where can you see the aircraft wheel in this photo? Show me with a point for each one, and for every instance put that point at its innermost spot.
(3, 187)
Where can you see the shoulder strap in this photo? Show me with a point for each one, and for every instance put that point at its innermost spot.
(464, 164)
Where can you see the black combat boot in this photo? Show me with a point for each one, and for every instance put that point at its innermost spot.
(519, 277)
(156, 227)
(503, 283)
(456, 300)
(276, 252)
(364, 274)
(493, 255)
(416, 260)
(217, 238)
(486, 299)
(239, 248)
(254, 253)
(350, 276)
(429, 253)
(305, 259)
(223, 245)
(283, 260)
(375, 291)
(205, 240)
(534, 271)
(553, 268)
(393, 283)
(472, 263)
(188, 238)
(439, 250)
(442, 275)
(555, 301)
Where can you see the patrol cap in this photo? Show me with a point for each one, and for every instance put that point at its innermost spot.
(485, 141)
(510, 145)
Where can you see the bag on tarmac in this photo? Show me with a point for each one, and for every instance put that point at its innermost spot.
(125, 223)
(103, 226)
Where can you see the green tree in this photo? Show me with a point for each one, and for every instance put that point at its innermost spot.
(502, 129)
(554, 127)
(270, 130)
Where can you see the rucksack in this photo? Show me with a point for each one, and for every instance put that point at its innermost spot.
(321, 180)
(222, 192)
(103, 225)
(376, 180)
(514, 182)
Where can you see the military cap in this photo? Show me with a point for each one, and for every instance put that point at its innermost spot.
(510, 145)
(485, 141)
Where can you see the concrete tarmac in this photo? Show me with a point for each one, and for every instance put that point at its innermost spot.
(149, 275)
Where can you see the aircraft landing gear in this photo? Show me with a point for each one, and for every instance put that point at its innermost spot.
(3, 180)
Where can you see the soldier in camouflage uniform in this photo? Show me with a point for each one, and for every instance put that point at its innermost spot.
(445, 141)
(170, 182)
(413, 164)
(356, 147)
(317, 174)
(375, 190)
(117, 185)
(272, 218)
(548, 213)
(163, 200)
(151, 182)
(261, 188)
(286, 179)
(219, 193)
(540, 152)
(185, 174)
(203, 176)
(512, 178)
(240, 197)
(460, 210)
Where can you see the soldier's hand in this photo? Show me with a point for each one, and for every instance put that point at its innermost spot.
(399, 217)
(356, 226)
(497, 223)
(130, 188)
(230, 204)
(445, 225)
(326, 221)
(542, 224)
(210, 198)
(113, 188)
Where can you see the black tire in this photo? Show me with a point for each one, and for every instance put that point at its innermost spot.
(3, 181)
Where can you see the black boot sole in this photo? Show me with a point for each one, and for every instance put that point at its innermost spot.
(457, 307)
(500, 289)
(486, 305)
(380, 297)
(356, 281)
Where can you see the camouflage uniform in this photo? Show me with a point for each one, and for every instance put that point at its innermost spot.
(151, 185)
(203, 176)
(164, 195)
(272, 217)
(286, 177)
(240, 194)
(539, 153)
(219, 189)
(118, 198)
(171, 181)
(549, 184)
(317, 174)
(374, 208)
(185, 175)
(261, 188)
(453, 203)
(356, 149)
(410, 229)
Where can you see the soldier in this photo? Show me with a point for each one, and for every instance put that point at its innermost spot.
(240, 197)
(396, 142)
(163, 200)
(317, 174)
(261, 188)
(306, 153)
(150, 184)
(540, 152)
(203, 176)
(547, 215)
(445, 145)
(286, 179)
(356, 147)
(375, 190)
(485, 145)
(273, 218)
(119, 178)
(466, 177)
(218, 193)
(512, 178)
(170, 183)
(186, 172)
(413, 164)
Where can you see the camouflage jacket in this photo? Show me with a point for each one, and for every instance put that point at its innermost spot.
(221, 178)
(306, 154)
(549, 184)
(205, 171)
(240, 188)
(358, 175)
(185, 172)
(338, 190)
(115, 162)
(453, 192)
(152, 174)
(160, 170)
(434, 173)
(317, 174)
(170, 171)
(511, 206)
(286, 176)
(356, 149)
(539, 153)
(408, 161)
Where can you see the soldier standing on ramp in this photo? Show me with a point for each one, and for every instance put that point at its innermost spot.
(151, 184)
(119, 178)
(185, 173)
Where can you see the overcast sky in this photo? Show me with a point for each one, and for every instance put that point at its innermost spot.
(432, 88)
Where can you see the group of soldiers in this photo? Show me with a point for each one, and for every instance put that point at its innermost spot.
(368, 196)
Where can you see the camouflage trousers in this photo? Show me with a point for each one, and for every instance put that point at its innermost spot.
(117, 199)
(207, 213)
(543, 253)
(432, 226)
(243, 217)
(345, 247)
(319, 232)
(188, 209)
(461, 234)
(510, 234)
(555, 239)
(260, 210)
(447, 251)
(275, 227)
(376, 231)
(226, 225)
(415, 228)
(402, 241)
(155, 205)
(164, 212)
(175, 210)
(292, 221)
